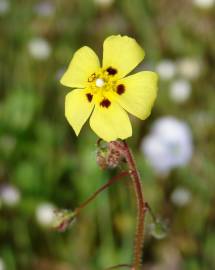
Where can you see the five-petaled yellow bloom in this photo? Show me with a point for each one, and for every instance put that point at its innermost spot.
(104, 93)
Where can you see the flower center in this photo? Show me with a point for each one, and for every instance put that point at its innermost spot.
(100, 86)
(100, 82)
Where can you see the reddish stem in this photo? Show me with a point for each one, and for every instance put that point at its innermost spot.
(123, 148)
(119, 266)
(109, 183)
(139, 236)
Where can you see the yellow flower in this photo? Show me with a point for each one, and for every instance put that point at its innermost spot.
(104, 93)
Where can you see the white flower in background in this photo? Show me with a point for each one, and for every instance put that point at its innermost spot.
(9, 195)
(45, 214)
(181, 196)
(180, 90)
(4, 6)
(39, 48)
(169, 145)
(2, 265)
(205, 4)
(104, 3)
(45, 9)
(189, 68)
(166, 69)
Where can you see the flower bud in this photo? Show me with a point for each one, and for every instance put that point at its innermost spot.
(158, 229)
(109, 155)
(63, 219)
(113, 158)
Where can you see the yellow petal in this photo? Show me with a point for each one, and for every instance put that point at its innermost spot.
(121, 53)
(110, 123)
(140, 91)
(77, 109)
(83, 64)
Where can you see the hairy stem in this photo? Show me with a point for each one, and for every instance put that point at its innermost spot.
(119, 266)
(105, 186)
(139, 236)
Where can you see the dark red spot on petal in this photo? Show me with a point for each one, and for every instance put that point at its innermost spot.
(111, 71)
(120, 89)
(105, 103)
(89, 97)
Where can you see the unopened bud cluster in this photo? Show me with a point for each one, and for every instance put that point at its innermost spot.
(109, 155)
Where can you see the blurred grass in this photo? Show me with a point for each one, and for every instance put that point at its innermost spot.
(40, 155)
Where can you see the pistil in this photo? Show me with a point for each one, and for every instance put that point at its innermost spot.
(100, 82)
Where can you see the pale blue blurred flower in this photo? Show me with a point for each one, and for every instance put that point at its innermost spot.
(45, 8)
(169, 145)
(9, 195)
(4, 6)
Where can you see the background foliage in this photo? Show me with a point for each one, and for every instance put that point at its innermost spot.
(41, 157)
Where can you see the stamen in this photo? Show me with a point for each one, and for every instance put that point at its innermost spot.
(105, 103)
(89, 97)
(100, 82)
(92, 77)
(111, 71)
(120, 89)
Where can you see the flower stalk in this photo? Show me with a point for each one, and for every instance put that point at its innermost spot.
(124, 149)
(119, 149)
(104, 94)
(102, 188)
(119, 266)
(139, 237)
(64, 218)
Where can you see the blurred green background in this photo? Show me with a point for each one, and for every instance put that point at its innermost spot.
(43, 165)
